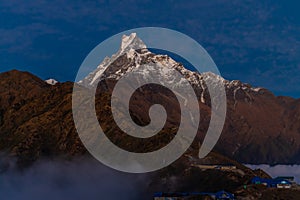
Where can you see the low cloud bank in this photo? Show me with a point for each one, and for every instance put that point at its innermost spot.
(74, 180)
(280, 170)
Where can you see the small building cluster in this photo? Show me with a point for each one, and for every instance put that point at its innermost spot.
(281, 182)
(228, 167)
(278, 182)
(221, 195)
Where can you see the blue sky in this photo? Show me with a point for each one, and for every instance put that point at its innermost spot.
(257, 42)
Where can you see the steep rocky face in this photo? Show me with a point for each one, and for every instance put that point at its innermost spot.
(263, 125)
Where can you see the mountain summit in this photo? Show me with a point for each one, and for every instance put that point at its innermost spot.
(133, 53)
(131, 41)
(128, 45)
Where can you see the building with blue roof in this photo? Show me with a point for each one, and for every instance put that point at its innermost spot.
(273, 183)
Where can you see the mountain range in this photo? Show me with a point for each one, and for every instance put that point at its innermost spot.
(36, 116)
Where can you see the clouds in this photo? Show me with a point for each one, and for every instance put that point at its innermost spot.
(280, 170)
(64, 180)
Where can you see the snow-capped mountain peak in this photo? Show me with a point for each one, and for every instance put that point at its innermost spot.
(131, 42)
(128, 46)
(137, 54)
(133, 53)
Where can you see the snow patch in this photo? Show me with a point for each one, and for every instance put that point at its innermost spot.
(256, 89)
(51, 81)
